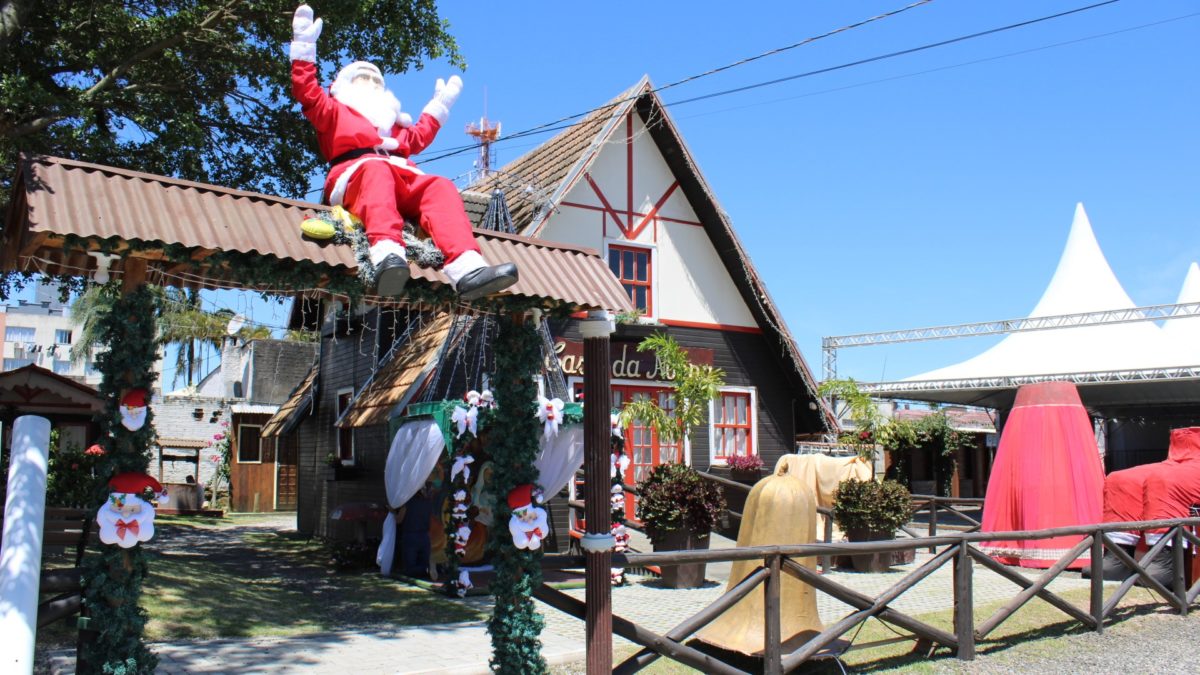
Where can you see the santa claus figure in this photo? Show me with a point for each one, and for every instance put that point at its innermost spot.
(127, 517)
(133, 409)
(368, 142)
(528, 523)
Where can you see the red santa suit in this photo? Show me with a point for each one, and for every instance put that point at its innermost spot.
(368, 144)
(382, 186)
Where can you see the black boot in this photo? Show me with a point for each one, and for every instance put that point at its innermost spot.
(390, 276)
(486, 280)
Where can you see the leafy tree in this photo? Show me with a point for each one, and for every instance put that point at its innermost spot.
(197, 89)
(695, 385)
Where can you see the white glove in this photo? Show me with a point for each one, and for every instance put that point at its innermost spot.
(305, 32)
(444, 95)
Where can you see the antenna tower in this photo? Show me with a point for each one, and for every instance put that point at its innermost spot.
(485, 133)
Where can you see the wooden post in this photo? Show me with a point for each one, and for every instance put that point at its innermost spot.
(772, 650)
(1098, 581)
(1180, 573)
(964, 610)
(597, 458)
(933, 509)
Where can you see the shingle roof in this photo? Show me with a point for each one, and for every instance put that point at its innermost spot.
(295, 408)
(54, 198)
(534, 179)
(390, 384)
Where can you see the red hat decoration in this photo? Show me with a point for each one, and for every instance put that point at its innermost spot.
(134, 398)
(520, 497)
(135, 483)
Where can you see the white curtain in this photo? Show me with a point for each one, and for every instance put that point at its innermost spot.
(561, 457)
(415, 452)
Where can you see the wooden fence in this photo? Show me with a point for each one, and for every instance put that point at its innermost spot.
(958, 550)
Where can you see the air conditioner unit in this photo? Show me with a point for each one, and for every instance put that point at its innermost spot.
(18, 352)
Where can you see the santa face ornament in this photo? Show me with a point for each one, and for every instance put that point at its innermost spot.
(126, 518)
(528, 524)
(134, 406)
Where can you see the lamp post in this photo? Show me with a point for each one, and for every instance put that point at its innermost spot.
(598, 540)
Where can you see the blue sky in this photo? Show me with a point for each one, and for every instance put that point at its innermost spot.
(876, 198)
(921, 190)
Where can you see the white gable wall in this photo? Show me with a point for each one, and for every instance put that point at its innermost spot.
(690, 284)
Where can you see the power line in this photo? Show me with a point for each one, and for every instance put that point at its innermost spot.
(557, 125)
(947, 67)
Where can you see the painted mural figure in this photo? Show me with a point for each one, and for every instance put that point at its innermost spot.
(368, 141)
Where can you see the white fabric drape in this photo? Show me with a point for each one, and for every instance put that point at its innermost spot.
(415, 452)
(561, 457)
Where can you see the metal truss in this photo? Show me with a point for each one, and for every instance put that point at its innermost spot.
(1143, 375)
(830, 345)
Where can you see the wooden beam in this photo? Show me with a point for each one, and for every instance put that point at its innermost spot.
(1019, 579)
(1097, 596)
(134, 276)
(964, 605)
(772, 651)
(1036, 588)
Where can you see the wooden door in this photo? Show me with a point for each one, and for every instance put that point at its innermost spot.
(285, 474)
(642, 445)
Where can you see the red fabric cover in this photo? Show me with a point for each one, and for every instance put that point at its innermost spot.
(1125, 494)
(1174, 485)
(1047, 474)
(1157, 491)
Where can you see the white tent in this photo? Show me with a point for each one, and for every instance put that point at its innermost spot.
(1084, 282)
(1185, 332)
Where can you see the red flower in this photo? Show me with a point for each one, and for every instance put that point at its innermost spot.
(218, 437)
(74, 467)
(95, 451)
(864, 435)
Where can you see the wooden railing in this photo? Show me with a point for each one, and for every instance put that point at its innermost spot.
(932, 504)
(958, 549)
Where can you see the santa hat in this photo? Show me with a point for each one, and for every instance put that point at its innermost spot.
(520, 497)
(134, 483)
(134, 398)
(347, 74)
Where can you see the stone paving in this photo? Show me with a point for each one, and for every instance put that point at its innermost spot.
(465, 647)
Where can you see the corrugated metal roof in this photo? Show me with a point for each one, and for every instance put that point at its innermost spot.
(254, 409)
(193, 443)
(295, 407)
(57, 197)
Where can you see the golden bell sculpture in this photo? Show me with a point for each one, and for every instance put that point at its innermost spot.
(781, 509)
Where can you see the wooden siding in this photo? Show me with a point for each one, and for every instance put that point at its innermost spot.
(747, 361)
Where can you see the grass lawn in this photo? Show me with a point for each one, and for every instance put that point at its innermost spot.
(224, 577)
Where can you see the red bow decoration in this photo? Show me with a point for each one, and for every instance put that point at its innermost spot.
(535, 532)
(122, 526)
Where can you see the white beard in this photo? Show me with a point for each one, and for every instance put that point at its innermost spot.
(133, 418)
(379, 106)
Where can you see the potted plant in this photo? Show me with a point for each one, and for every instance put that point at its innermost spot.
(871, 511)
(745, 468)
(679, 508)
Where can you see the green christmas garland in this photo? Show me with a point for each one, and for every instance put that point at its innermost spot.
(112, 577)
(515, 624)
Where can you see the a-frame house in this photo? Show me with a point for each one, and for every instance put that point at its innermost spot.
(623, 181)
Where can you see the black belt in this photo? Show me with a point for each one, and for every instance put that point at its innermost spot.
(355, 154)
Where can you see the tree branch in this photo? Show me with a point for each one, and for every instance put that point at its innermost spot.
(12, 13)
(156, 48)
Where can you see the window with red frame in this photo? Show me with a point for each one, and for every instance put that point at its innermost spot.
(632, 268)
(733, 425)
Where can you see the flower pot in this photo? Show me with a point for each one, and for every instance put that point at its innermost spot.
(690, 575)
(870, 562)
(748, 476)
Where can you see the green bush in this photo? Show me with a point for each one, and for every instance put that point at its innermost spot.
(676, 497)
(874, 506)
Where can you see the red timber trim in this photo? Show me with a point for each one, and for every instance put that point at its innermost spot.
(629, 170)
(649, 217)
(711, 326)
(604, 200)
(665, 219)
